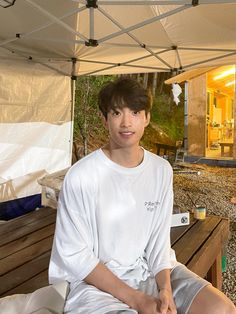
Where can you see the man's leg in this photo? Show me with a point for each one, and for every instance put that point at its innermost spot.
(210, 300)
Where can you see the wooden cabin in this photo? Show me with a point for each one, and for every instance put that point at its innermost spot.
(210, 112)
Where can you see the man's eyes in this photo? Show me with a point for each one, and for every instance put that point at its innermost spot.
(115, 113)
(135, 113)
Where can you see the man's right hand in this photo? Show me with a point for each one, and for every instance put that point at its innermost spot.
(145, 304)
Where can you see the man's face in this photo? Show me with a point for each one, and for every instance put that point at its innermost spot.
(126, 127)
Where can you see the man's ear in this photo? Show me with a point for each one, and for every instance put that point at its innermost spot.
(148, 116)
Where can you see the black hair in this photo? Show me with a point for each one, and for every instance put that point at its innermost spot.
(124, 92)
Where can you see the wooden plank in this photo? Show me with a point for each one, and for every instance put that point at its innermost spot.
(27, 240)
(29, 253)
(25, 230)
(177, 232)
(207, 254)
(24, 273)
(19, 222)
(197, 97)
(214, 274)
(191, 241)
(39, 281)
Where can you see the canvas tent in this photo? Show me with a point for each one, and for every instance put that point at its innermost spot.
(119, 36)
(45, 43)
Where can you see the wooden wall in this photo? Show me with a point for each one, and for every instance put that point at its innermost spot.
(197, 99)
(234, 146)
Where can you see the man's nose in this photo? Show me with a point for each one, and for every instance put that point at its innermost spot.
(126, 120)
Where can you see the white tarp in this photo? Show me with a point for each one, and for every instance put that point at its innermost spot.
(35, 125)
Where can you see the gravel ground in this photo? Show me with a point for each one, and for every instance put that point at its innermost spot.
(213, 187)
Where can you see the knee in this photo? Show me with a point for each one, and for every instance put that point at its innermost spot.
(210, 300)
(230, 308)
(224, 306)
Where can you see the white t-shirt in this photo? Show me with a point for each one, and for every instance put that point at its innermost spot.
(116, 215)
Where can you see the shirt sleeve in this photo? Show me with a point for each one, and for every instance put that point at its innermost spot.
(159, 247)
(73, 255)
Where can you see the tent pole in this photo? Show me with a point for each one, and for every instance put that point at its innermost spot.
(207, 60)
(91, 22)
(15, 38)
(157, 2)
(134, 37)
(206, 49)
(73, 80)
(141, 24)
(72, 117)
(186, 116)
(56, 20)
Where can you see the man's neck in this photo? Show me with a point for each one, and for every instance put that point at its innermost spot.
(126, 157)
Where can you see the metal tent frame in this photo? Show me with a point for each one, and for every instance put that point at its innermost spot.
(151, 52)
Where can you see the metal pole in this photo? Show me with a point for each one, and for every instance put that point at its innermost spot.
(186, 117)
(91, 22)
(73, 88)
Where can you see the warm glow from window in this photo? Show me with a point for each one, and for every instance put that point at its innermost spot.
(230, 83)
(224, 74)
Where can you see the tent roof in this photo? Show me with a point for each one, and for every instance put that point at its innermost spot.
(188, 75)
(119, 36)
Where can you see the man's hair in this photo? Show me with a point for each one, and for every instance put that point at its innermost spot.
(124, 92)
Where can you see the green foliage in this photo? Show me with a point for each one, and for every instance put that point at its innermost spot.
(169, 116)
(87, 119)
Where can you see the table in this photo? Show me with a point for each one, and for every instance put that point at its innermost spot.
(226, 144)
(26, 241)
(166, 149)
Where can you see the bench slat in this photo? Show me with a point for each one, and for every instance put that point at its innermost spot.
(24, 273)
(19, 258)
(212, 246)
(178, 232)
(39, 281)
(27, 240)
(190, 243)
(19, 222)
(26, 230)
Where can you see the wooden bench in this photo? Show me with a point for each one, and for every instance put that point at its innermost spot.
(199, 246)
(25, 247)
(166, 150)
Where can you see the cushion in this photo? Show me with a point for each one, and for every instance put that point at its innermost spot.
(49, 299)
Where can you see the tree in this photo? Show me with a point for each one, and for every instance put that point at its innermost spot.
(87, 119)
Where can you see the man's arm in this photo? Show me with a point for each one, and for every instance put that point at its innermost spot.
(102, 278)
(165, 292)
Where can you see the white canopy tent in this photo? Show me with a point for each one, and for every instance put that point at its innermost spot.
(119, 36)
(45, 43)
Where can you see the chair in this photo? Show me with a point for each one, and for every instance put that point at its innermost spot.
(180, 152)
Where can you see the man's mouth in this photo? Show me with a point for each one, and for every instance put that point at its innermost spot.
(126, 133)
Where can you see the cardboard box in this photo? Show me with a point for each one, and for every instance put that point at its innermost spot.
(180, 219)
(51, 186)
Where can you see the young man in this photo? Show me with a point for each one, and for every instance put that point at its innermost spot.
(112, 239)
